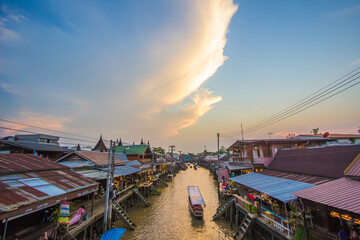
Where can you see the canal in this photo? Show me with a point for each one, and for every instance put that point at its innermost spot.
(169, 217)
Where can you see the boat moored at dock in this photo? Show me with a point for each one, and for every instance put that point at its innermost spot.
(196, 201)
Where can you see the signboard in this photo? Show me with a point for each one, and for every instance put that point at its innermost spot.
(64, 213)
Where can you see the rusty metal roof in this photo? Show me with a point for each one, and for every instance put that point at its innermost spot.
(353, 169)
(342, 194)
(15, 163)
(99, 158)
(297, 177)
(329, 161)
(25, 192)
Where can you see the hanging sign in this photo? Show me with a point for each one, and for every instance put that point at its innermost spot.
(64, 213)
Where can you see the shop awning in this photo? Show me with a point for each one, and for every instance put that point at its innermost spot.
(342, 193)
(113, 234)
(278, 188)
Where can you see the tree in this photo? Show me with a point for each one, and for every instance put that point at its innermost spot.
(223, 150)
(159, 150)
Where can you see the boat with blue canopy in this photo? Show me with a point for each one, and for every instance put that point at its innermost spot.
(196, 201)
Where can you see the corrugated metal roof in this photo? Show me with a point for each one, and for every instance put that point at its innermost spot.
(278, 188)
(77, 164)
(99, 158)
(329, 161)
(36, 146)
(121, 156)
(27, 192)
(235, 168)
(96, 174)
(14, 163)
(297, 177)
(342, 193)
(113, 234)
(354, 168)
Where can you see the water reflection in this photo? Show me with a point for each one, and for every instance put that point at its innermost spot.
(169, 216)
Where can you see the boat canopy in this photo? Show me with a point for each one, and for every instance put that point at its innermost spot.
(195, 196)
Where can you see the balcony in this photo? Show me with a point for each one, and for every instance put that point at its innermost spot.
(272, 220)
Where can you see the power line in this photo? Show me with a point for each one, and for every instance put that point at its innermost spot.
(51, 130)
(305, 108)
(19, 130)
(308, 102)
(299, 102)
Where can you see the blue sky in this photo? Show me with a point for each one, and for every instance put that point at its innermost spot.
(176, 72)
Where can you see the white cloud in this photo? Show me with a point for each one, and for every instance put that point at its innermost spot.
(197, 59)
(355, 63)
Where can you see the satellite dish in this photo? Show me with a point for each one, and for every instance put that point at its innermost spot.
(326, 134)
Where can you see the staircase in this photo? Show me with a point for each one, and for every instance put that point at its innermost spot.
(223, 207)
(244, 226)
(142, 197)
(123, 215)
(163, 182)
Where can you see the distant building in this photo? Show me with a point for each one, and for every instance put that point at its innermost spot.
(262, 151)
(37, 144)
(143, 153)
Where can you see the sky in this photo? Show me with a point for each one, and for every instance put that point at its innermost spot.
(176, 72)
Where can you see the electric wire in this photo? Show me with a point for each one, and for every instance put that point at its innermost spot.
(308, 102)
(299, 102)
(305, 107)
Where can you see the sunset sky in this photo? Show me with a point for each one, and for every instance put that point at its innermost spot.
(176, 72)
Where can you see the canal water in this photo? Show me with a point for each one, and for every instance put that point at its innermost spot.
(169, 217)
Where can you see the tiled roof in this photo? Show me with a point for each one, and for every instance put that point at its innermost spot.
(15, 163)
(342, 194)
(132, 149)
(35, 146)
(329, 161)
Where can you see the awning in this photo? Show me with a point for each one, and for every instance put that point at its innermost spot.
(113, 234)
(278, 188)
(195, 195)
(236, 168)
(342, 193)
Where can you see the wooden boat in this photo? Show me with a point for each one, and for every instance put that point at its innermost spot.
(196, 201)
(169, 177)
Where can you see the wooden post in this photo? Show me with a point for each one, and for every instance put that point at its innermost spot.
(237, 218)
(231, 215)
(5, 228)
(92, 204)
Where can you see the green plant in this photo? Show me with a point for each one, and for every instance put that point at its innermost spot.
(299, 234)
(254, 209)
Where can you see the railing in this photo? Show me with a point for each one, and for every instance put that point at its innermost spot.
(278, 226)
(240, 159)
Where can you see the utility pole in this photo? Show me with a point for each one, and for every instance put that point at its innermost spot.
(172, 147)
(111, 190)
(242, 133)
(218, 145)
(107, 190)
